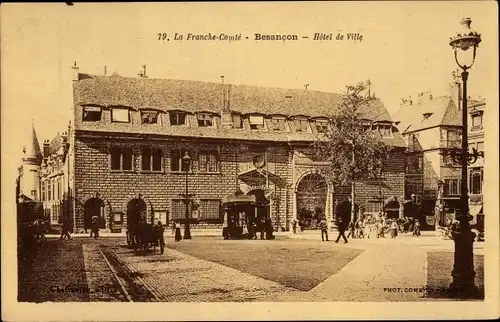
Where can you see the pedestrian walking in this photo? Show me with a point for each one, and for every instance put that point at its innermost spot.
(351, 229)
(416, 229)
(341, 227)
(294, 226)
(394, 229)
(178, 236)
(323, 225)
(65, 229)
(95, 227)
(359, 228)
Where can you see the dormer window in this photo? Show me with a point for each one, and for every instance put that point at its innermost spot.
(321, 126)
(205, 120)
(278, 124)
(427, 115)
(237, 123)
(149, 117)
(177, 118)
(256, 122)
(385, 130)
(92, 113)
(120, 115)
(301, 124)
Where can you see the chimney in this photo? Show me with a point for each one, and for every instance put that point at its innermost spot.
(75, 72)
(143, 74)
(105, 70)
(46, 145)
(456, 89)
(405, 102)
(306, 86)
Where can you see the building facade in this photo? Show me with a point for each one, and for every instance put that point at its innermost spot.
(431, 126)
(129, 137)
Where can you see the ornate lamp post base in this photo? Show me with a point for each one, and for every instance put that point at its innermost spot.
(463, 269)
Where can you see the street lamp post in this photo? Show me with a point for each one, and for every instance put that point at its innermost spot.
(438, 210)
(186, 159)
(463, 266)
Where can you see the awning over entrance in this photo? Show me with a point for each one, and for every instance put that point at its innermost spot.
(23, 198)
(257, 177)
(240, 199)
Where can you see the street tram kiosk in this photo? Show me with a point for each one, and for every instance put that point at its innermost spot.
(239, 213)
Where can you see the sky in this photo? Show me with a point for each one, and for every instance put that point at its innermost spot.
(405, 49)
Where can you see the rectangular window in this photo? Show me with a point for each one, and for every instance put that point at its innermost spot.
(256, 122)
(278, 124)
(115, 158)
(127, 156)
(384, 130)
(146, 159)
(477, 122)
(151, 159)
(321, 126)
(157, 160)
(237, 124)
(476, 181)
(209, 209)
(177, 118)
(208, 161)
(43, 191)
(178, 210)
(149, 117)
(161, 216)
(53, 189)
(373, 206)
(122, 158)
(451, 186)
(205, 120)
(91, 113)
(121, 115)
(480, 146)
(301, 125)
(176, 163)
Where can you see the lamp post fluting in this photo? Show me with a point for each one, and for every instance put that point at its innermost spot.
(186, 159)
(463, 266)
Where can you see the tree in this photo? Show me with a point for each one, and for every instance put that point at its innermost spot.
(352, 150)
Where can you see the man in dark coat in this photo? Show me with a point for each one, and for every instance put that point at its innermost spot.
(343, 219)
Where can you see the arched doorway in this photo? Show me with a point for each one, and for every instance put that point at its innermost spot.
(312, 191)
(93, 207)
(136, 211)
(392, 209)
(261, 203)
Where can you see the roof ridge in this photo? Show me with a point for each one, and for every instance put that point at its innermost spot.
(145, 79)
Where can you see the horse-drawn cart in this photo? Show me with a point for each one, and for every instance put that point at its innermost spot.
(143, 236)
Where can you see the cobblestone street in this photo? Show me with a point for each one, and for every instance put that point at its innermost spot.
(209, 269)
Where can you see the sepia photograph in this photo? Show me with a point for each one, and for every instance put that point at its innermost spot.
(249, 161)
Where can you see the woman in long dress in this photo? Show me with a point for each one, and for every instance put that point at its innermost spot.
(178, 236)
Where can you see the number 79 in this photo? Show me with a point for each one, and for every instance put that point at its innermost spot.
(162, 36)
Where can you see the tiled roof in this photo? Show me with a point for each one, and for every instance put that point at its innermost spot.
(443, 112)
(55, 144)
(195, 96)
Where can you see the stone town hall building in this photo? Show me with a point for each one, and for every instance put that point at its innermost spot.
(122, 156)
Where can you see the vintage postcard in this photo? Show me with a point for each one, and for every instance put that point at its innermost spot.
(249, 161)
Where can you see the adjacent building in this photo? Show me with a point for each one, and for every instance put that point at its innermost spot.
(430, 126)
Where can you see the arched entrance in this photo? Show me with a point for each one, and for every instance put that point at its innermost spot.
(136, 211)
(312, 191)
(262, 203)
(93, 207)
(392, 209)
